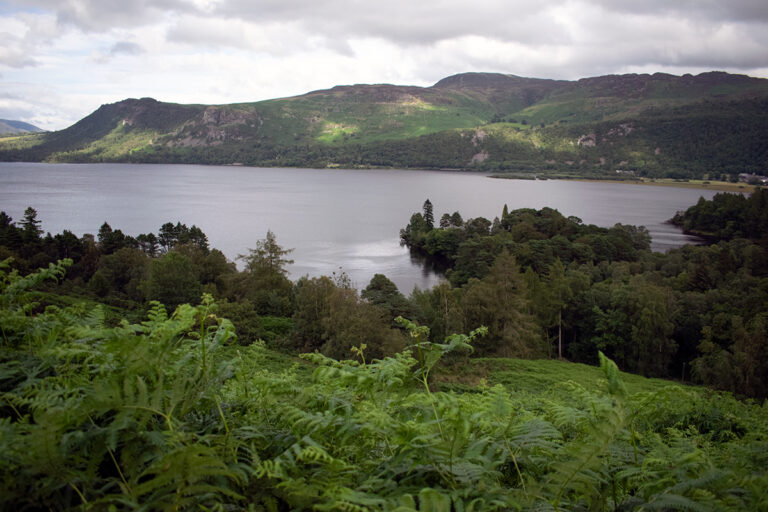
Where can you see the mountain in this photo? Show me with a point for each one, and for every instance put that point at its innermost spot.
(657, 125)
(8, 127)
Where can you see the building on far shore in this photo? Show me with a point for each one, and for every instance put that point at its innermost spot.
(753, 179)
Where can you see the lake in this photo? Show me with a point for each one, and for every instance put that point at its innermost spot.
(336, 220)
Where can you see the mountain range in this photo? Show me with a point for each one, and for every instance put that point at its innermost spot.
(712, 124)
(10, 127)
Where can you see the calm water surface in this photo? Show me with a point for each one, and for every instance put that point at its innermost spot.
(335, 219)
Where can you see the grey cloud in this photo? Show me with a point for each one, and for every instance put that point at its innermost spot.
(192, 30)
(16, 114)
(103, 15)
(126, 48)
(14, 52)
(403, 22)
(714, 10)
(542, 37)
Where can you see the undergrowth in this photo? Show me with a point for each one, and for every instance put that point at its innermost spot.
(170, 414)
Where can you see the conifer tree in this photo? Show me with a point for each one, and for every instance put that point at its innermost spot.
(31, 225)
(429, 215)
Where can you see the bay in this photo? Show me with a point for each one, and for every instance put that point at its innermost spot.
(335, 220)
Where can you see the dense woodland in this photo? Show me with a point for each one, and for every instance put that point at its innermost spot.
(696, 313)
(149, 372)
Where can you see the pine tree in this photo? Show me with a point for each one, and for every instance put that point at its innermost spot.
(30, 226)
(429, 215)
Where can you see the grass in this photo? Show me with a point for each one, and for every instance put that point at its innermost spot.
(25, 140)
(534, 377)
(723, 186)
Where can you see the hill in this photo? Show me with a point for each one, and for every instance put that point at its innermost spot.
(9, 127)
(655, 125)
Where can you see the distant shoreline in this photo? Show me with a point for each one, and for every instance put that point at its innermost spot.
(723, 186)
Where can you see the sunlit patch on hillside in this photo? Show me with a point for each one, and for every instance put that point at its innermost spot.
(333, 132)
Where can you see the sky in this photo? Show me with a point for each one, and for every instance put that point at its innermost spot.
(61, 59)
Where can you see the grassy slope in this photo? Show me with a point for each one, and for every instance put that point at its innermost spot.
(539, 377)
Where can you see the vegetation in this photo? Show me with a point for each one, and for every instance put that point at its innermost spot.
(709, 126)
(87, 423)
(727, 217)
(694, 313)
(111, 400)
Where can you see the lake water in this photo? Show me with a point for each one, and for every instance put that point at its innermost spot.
(334, 219)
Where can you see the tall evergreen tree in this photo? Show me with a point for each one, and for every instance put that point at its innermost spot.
(31, 225)
(429, 215)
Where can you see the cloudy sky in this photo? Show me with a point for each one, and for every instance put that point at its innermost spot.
(61, 59)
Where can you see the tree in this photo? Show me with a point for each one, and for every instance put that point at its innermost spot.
(312, 305)
(30, 226)
(384, 293)
(499, 301)
(559, 294)
(333, 320)
(172, 281)
(267, 256)
(439, 309)
(120, 274)
(264, 281)
(111, 240)
(68, 245)
(479, 226)
(168, 236)
(429, 216)
(10, 235)
(198, 238)
(414, 233)
(148, 243)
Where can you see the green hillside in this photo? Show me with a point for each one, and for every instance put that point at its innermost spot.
(654, 125)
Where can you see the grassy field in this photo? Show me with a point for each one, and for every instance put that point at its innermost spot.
(724, 186)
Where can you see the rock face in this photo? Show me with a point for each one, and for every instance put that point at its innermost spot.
(479, 158)
(588, 140)
(218, 116)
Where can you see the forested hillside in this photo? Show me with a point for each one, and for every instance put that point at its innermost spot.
(710, 125)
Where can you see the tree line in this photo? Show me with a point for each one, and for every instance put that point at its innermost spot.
(544, 285)
(548, 285)
(176, 266)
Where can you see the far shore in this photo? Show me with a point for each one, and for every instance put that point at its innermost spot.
(724, 186)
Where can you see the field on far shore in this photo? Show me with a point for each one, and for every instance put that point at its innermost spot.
(725, 186)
